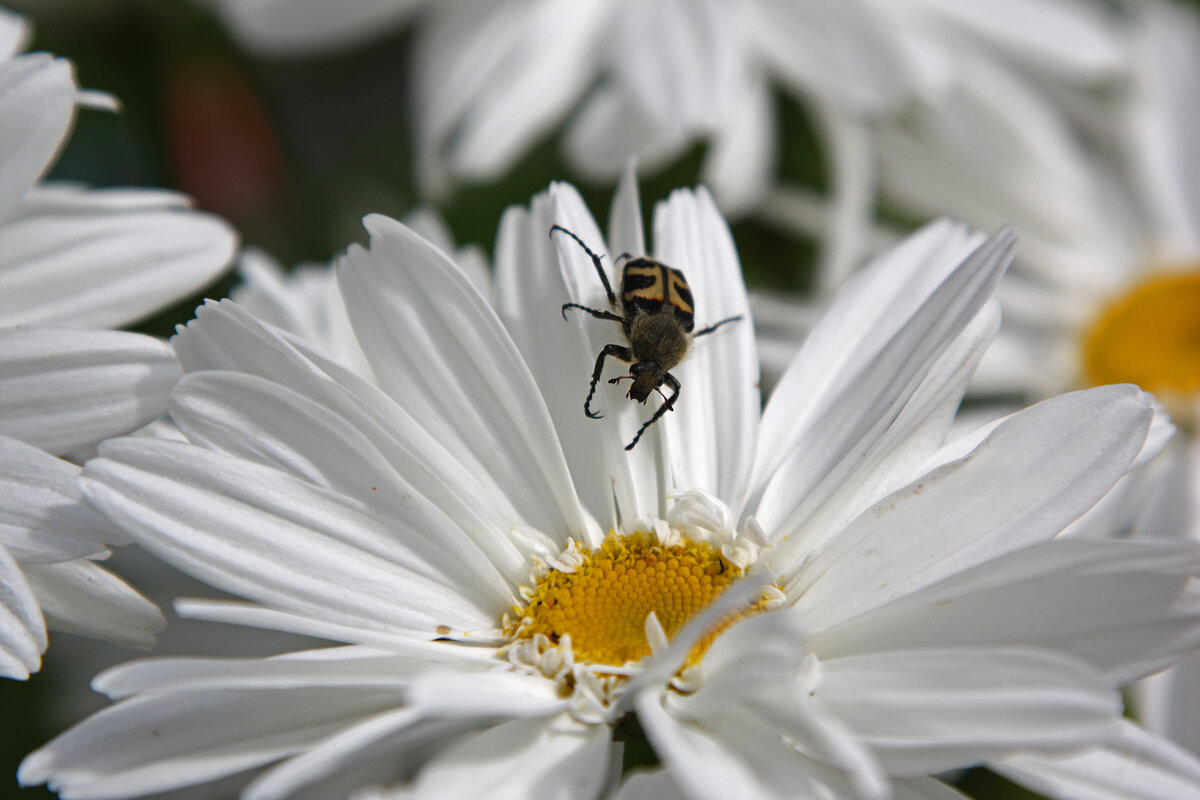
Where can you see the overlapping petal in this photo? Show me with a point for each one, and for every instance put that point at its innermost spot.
(439, 350)
(341, 563)
(37, 105)
(81, 597)
(62, 389)
(1032, 476)
(878, 365)
(22, 629)
(104, 258)
(42, 515)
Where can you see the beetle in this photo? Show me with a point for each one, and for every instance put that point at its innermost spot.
(658, 319)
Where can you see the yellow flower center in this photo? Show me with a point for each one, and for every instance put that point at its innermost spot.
(603, 604)
(1149, 336)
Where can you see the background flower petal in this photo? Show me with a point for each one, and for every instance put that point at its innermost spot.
(37, 104)
(22, 630)
(105, 258)
(83, 598)
(43, 518)
(62, 390)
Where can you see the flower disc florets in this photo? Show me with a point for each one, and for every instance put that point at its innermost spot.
(1151, 336)
(602, 604)
(593, 617)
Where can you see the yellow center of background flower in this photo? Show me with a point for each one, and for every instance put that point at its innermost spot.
(1150, 336)
(603, 604)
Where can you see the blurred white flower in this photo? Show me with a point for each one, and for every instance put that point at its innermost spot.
(645, 80)
(86, 259)
(291, 27)
(982, 141)
(906, 607)
(641, 80)
(1102, 181)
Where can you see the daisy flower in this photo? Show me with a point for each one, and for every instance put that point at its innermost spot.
(979, 118)
(307, 303)
(86, 259)
(1107, 288)
(1139, 324)
(823, 598)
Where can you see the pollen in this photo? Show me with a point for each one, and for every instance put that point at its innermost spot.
(603, 604)
(1149, 336)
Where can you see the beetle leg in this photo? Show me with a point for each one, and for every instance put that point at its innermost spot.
(716, 325)
(595, 312)
(615, 350)
(612, 298)
(669, 405)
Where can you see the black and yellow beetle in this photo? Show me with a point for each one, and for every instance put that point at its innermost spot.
(658, 319)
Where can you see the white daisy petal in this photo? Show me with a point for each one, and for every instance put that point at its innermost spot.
(853, 196)
(338, 752)
(42, 515)
(1035, 32)
(62, 390)
(104, 258)
(760, 669)
(529, 295)
(1032, 476)
(839, 52)
(479, 696)
(676, 60)
(924, 789)
(743, 760)
(258, 420)
(416, 313)
(340, 565)
(335, 666)
(926, 711)
(884, 292)
(1163, 123)
(83, 598)
(1137, 766)
(554, 758)
(305, 303)
(37, 104)
(711, 435)
(15, 33)
(908, 444)
(515, 103)
(656, 785)
(1124, 607)
(224, 337)
(877, 367)
(288, 27)
(156, 742)
(741, 157)
(22, 630)
(625, 232)
(634, 476)
(610, 130)
(255, 616)
(1166, 705)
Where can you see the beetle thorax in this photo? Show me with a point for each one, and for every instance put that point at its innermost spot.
(658, 338)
